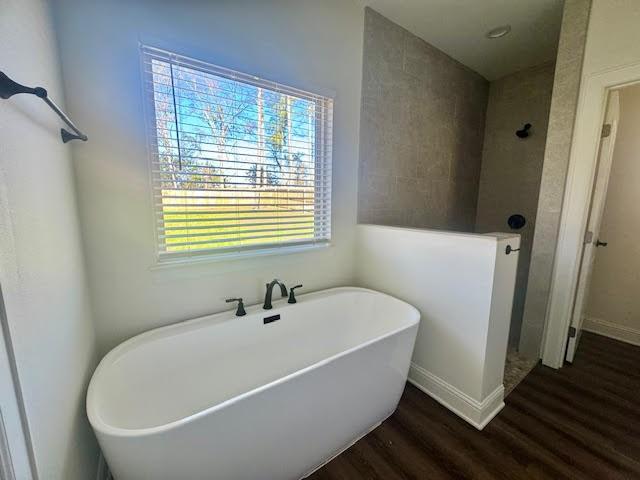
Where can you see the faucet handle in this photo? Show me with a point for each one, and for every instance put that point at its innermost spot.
(240, 312)
(292, 296)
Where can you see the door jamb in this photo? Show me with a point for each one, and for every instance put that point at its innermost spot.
(575, 207)
(16, 448)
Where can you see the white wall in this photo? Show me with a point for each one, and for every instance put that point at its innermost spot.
(612, 38)
(613, 306)
(41, 264)
(463, 286)
(308, 44)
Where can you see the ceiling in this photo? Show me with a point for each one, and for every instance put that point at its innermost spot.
(458, 27)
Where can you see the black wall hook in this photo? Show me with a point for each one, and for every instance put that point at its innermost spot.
(524, 131)
(9, 88)
(510, 249)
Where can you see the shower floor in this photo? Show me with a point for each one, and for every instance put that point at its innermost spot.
(515, 369)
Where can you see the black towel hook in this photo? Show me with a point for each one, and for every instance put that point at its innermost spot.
(510, 249)
(9, 88)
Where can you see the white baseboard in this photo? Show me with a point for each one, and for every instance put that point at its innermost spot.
(478, 414)
(612, 330)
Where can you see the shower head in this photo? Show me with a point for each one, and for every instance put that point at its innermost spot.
(524, 132)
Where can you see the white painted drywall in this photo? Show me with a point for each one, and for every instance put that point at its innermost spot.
(41, 263)
(612, 38)
(499, 322)
(312, 45)
(613, 296)
(463, 286)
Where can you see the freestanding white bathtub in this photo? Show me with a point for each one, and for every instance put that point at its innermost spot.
(225, 397)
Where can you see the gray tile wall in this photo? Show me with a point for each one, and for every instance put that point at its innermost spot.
(421, 132)
(564, 101)
(512, 167)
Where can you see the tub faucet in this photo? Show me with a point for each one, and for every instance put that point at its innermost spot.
(268, 294)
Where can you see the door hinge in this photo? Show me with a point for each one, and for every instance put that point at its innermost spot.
(606, 130)
(572, 332)
(588, 236)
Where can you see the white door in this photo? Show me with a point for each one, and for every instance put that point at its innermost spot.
(592, 239)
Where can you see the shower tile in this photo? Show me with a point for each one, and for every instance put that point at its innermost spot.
(512, 168)
(422, 116)
(561, 118)
(516, 368)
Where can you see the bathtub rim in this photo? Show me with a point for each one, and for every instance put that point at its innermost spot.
(100, 426)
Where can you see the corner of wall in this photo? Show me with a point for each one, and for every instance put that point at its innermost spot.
(564, 102)
(41, 265)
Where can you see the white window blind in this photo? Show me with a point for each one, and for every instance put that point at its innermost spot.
(238, 163)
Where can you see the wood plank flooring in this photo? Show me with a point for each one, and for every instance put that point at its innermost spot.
(582, 422)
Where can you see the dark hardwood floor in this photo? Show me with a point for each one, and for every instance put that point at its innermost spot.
(582, 422)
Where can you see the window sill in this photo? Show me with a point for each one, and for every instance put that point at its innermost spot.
(235, 256)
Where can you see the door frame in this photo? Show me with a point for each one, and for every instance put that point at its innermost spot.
(17, 461)
(606, 149)
(575, 208)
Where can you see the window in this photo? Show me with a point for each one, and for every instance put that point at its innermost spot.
(238, 163)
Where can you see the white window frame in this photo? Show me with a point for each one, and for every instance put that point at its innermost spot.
(323, 217)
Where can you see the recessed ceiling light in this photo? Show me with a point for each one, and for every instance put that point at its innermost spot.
(499, 31)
